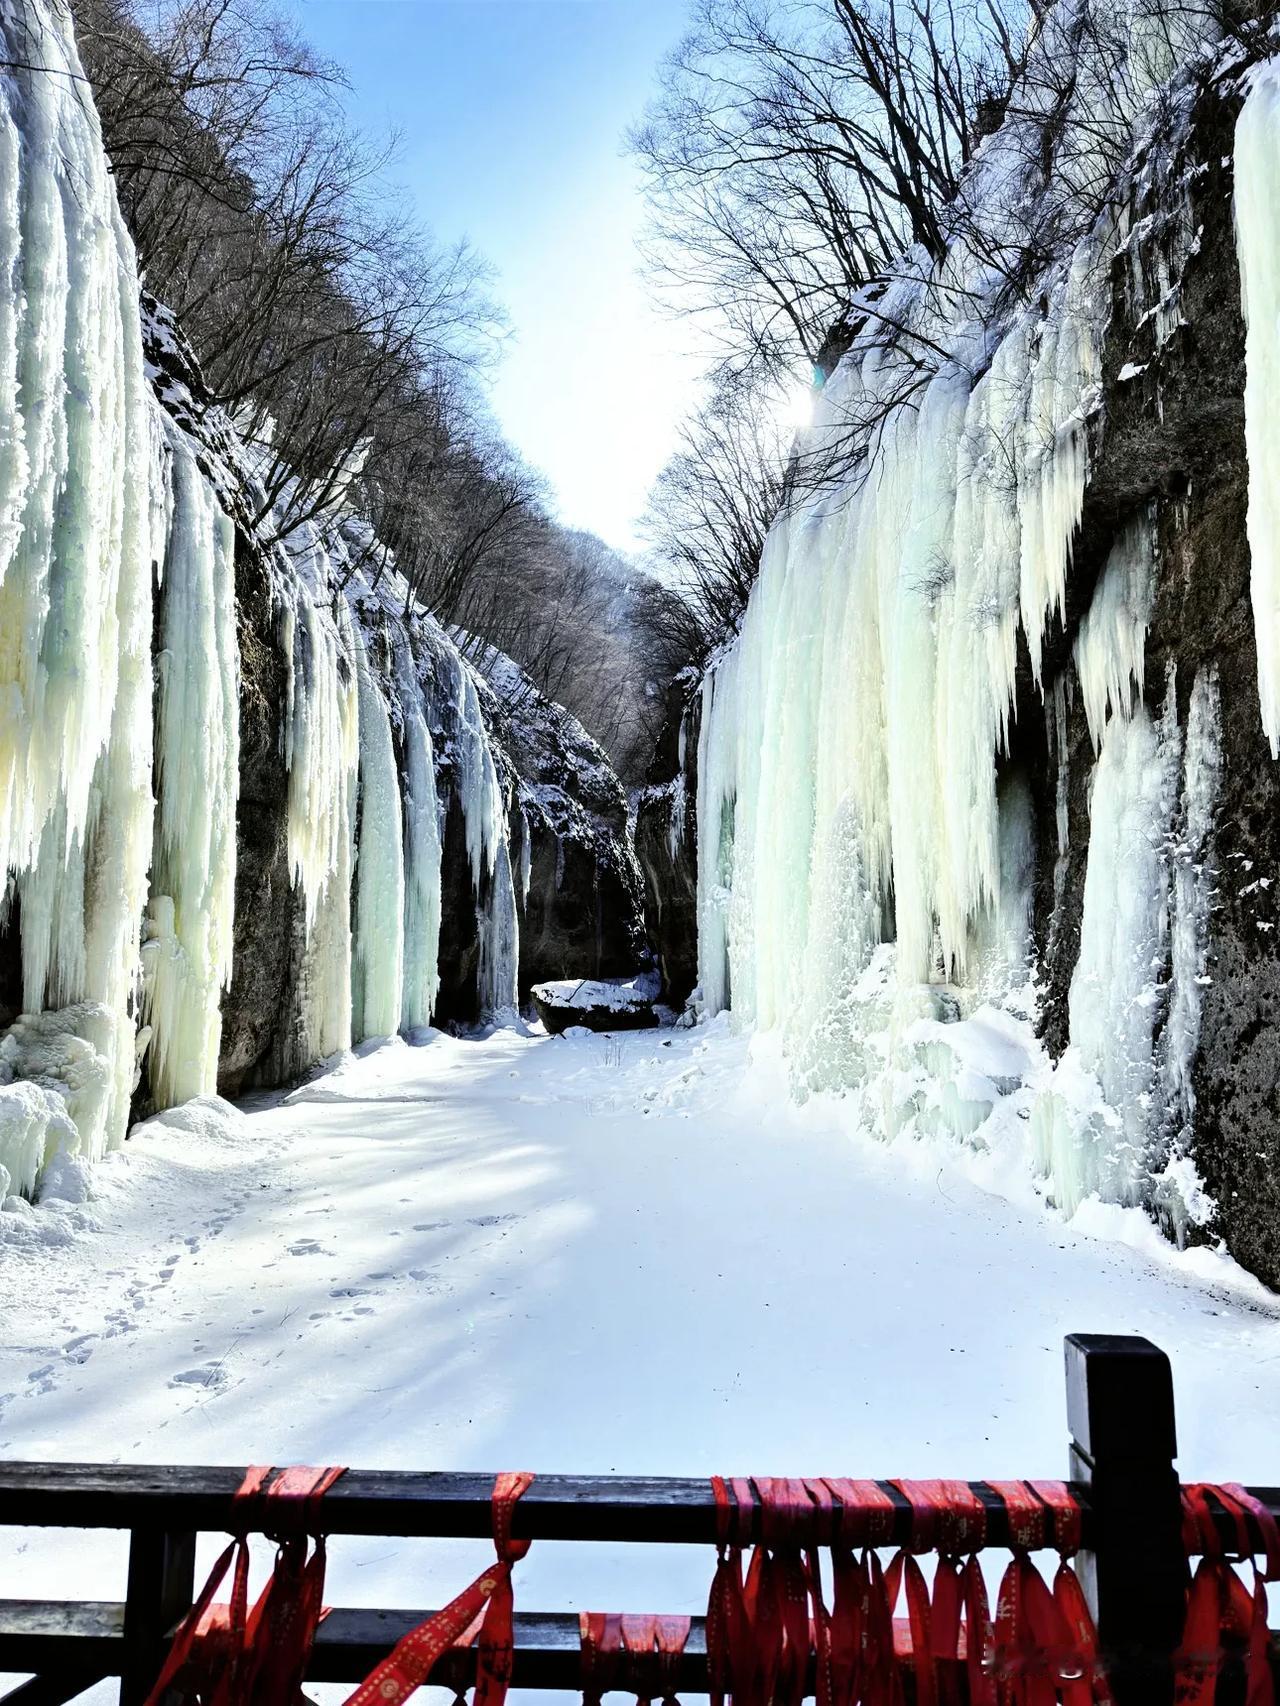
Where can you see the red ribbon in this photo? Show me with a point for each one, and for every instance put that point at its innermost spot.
(412, 1659)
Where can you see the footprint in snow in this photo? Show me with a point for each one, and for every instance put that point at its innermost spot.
(491, 1219)
(211, 1376)
(305, 1247)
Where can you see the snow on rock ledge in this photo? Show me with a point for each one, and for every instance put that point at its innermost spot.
(598, 1004)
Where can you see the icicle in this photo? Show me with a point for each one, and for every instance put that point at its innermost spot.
(1257, 162)
(377, 983)
(1111, 646)
(422, 849)
(526, 856)
(499, 928)
(488, 847)
(1180, 1196)
(1116, 994)
(322, 750)
(187, 954)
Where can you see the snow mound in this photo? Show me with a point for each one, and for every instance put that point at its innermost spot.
(66, 1178)
(207, 1117)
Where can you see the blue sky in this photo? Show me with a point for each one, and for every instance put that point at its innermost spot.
(512, 114)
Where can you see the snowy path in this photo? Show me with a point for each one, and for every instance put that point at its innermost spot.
(608, 1254)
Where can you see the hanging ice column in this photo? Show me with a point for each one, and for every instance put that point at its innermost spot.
(75, 604)
(187, 954)
(378, 970)
(485, 817)
(1257, 162)
(422, 849)
(322, 753)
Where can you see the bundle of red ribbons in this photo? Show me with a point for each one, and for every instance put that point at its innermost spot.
(229, 1655)
(1224, 1617)
(765, 1627)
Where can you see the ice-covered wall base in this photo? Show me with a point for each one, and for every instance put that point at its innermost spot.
(988, 821)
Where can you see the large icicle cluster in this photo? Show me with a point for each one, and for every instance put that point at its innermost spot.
(76, 549)
(108, 530)
(855, 783)
(365, 815)
(849, 739)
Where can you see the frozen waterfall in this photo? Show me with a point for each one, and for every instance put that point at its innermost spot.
(187, 952)
(76, 552)
(865, 829)
(378, 971)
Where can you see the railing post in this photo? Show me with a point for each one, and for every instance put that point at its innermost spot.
(162, 1567)
(1123, 1446)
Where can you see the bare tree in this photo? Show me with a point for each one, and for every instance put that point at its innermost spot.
(266, 224)
(799, 148)
(711, 508)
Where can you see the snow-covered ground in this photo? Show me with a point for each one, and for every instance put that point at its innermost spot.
(590, 1253)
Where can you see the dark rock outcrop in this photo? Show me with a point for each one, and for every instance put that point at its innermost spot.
(268, 907)
(666, 837)
(577, 883)
(595, 1005)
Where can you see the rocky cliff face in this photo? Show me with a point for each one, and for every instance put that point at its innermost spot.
(578, 885)
(1168, 450)
(527, 822)
(666, 840)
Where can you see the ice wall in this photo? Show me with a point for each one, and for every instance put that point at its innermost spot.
(866, 843)
(377, 694)
(849, 740)
(126, 497)
(76, 549)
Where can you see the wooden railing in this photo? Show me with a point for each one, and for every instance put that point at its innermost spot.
(1120, 1415)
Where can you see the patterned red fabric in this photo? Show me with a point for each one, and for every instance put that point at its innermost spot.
(600, 1642)
(764, 1630)
(410, 1663)
(227, 1655)
(1223, 1615)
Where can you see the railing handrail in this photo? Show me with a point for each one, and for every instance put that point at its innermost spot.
(424, 1504)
